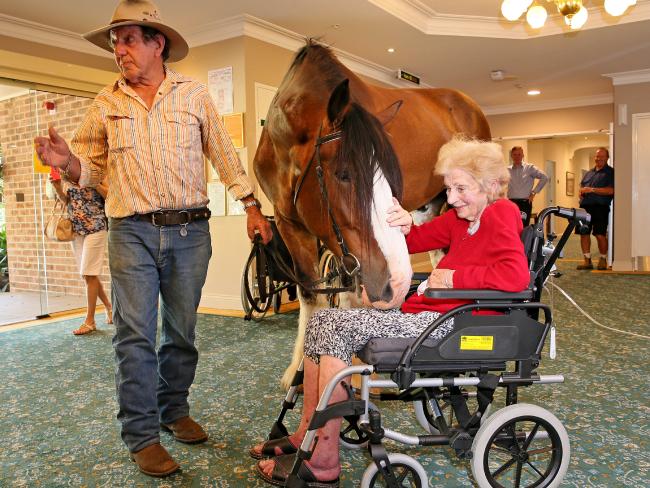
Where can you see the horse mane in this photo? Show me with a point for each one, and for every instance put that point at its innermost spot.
(365, 149)
(332, 70)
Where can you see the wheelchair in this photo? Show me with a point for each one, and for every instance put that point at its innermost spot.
(518, 445)
(269, 271)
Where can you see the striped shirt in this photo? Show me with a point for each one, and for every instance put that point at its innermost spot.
(154, 157)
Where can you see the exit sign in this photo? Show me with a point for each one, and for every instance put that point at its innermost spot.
(404, 75)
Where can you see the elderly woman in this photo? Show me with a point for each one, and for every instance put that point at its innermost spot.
(481, 232)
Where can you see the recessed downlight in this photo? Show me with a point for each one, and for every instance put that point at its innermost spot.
(532, 93)
(391, 49)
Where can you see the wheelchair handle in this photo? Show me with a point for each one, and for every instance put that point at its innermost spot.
(575, 214)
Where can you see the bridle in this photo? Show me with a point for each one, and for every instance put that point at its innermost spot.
(348, 267)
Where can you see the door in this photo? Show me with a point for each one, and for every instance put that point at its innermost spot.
(43, 276)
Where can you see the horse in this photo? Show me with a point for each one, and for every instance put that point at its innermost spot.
(333, 153)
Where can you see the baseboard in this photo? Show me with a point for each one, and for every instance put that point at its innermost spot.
(220, 301)
(622, 265)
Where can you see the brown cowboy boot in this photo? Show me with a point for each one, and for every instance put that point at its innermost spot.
(186, 430)
(154, 460)
(587, 264)
(602, 264)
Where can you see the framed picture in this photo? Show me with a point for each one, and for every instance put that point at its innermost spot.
(570, 184)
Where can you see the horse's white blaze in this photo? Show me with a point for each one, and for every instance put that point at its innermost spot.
(391, 242)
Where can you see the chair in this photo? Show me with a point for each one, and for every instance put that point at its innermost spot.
(518, 445)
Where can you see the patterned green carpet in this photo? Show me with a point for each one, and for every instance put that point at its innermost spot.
(58, 424)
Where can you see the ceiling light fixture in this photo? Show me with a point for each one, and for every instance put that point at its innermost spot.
(534, 92)
(391, 50)
(574, 12)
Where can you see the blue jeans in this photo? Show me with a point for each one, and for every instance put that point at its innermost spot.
(149, 263)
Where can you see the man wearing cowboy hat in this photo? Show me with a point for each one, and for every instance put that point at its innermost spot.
(149, 132)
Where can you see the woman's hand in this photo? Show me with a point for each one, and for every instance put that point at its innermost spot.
(58, 189)
(398, 217)
(441, 278)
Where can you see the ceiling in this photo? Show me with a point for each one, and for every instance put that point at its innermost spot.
(451, 43)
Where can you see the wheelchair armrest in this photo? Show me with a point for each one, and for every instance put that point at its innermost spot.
(420, 276)
(468, 294)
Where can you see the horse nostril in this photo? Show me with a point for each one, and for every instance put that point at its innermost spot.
(387, 293)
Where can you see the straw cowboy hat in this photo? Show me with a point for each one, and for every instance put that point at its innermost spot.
(140, 12)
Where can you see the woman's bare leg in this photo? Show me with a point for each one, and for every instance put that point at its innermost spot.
(325, 461)
(107, 303)
(93, 285)
(309, 402)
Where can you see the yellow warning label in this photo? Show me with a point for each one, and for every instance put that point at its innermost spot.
(476, 343)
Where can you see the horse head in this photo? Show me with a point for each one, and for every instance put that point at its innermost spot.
(357, 174)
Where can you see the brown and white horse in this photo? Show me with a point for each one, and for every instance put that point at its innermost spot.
(333, 152)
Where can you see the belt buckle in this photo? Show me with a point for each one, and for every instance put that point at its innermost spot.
(153, 218)
(187, 213)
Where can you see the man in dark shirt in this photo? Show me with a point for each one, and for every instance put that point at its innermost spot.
(596, 193)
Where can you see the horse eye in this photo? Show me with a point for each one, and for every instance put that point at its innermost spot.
(343, 175)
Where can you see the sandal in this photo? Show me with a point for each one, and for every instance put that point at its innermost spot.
(85, 329)
(282, 468)
(268, 448)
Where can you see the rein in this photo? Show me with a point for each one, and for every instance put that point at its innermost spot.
(349, 267)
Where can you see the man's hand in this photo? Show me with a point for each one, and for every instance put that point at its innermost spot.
(531, 197)
(52, 150)
(255, 221)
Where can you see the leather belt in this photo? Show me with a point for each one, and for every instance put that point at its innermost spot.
(175, 217)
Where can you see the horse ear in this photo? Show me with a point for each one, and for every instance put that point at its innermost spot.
(389, 113)
(339, 100)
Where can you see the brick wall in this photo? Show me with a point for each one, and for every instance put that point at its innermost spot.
(34, 260)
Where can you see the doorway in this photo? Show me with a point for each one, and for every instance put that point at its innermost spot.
(41, 275)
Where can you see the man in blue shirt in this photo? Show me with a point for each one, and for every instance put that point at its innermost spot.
(522, 178)
(596, 193)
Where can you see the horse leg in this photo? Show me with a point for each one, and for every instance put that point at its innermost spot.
(309, 304)
(303, 248)
(349, 299)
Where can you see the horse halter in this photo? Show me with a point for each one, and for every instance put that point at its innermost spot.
(349, 267)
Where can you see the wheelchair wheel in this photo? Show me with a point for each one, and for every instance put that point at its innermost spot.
(407, 471)
(257, 288)
(351, 436)
(521, 445)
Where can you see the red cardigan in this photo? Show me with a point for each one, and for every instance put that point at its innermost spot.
(493, 258)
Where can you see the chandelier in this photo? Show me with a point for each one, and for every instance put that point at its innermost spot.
(574, 13)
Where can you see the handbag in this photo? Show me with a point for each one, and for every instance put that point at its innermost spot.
(58, 226)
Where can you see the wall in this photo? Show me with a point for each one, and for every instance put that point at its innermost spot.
(44, 73)
(525, 125)
(31, 257)
(637, 99)
(230, 244)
